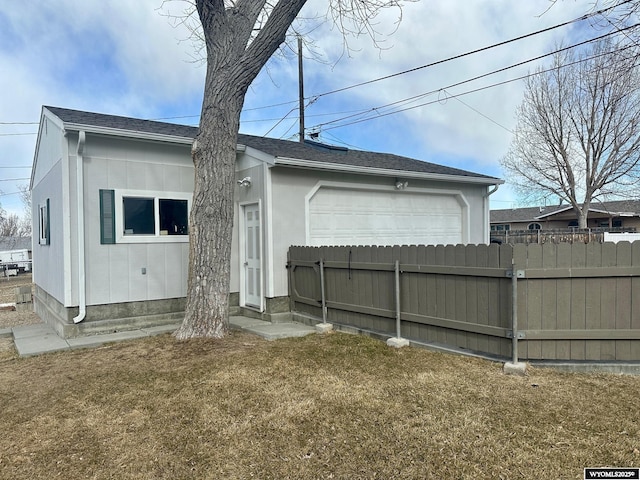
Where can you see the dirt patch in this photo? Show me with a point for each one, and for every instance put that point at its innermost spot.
(324, 406)
(23, 314)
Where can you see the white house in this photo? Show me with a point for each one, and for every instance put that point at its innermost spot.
(111, 197)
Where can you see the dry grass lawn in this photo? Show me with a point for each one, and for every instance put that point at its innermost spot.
(325, 406)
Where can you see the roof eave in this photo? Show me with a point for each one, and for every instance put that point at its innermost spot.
(119, 132)
(339, 167)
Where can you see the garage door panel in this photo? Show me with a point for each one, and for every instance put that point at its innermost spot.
(344, 217)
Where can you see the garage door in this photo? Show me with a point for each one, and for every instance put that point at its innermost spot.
(362, 217)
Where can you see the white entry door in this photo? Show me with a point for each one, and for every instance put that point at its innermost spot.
(252, 256)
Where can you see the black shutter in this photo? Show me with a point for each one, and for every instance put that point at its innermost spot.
(107, 217)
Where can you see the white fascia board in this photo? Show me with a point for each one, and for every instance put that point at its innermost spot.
(138, 135)
(46, 115)
(555, 212)
(255, 153)
(337, 167)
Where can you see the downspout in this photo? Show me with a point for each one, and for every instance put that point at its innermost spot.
(82, 286)
(487, 219)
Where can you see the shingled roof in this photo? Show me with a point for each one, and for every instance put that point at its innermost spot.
(528, 214)
(309, 151)
(15, 243)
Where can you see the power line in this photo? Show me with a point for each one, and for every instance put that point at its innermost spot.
(379, 113)
(386, 77)
(462, 94)
(472, 52)
(480, 113)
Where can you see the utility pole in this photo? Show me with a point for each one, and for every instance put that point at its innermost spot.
(301, 89)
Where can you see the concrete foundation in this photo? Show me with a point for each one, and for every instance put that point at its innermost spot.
(276, 310)
(323, 327)
(109, 318)
(511, 368)
(124, 316)
(398, 342)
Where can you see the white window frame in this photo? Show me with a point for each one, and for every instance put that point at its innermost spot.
(43, 226)
(119, 194)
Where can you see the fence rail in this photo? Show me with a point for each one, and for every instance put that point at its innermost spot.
(572, 301)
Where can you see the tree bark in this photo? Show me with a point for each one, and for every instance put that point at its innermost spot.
(211, 225)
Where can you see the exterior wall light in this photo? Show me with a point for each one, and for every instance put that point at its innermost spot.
(245, 182)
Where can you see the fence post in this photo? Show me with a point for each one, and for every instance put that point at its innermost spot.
(398, 341)
(514, 367)
(514, 314)
(324, 299)
(324, 326)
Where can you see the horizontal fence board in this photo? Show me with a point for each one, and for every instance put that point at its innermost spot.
(584, 334)
(457, 325)
(594, 272)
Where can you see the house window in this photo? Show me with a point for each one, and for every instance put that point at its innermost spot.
(134, 216)
(174, 217)
(43, 223)
(616, 223)
(139, 216)
(500, 228)
(534, 226)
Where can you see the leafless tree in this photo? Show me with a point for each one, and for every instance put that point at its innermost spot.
(25, 221)
(578, 131)
(239, 36)
(11, 225)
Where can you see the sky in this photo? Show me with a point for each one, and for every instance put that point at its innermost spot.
(126, 57)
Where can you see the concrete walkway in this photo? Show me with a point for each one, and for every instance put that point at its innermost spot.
(41, 338)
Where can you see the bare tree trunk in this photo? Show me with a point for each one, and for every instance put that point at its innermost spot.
(211, 225)
(233, 61)
(582, 220)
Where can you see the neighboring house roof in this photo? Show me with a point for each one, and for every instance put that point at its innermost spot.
(619, 208)
(15, 243)
(288, 153)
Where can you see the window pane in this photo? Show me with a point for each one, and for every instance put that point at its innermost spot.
(174, 217)
(138, 216)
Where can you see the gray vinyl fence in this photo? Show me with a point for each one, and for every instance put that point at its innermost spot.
(568, 301)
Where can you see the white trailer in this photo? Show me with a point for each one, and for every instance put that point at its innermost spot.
(19, 260)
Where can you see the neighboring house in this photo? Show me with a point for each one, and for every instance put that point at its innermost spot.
(608, 216)
(15, 254)
(111, 197)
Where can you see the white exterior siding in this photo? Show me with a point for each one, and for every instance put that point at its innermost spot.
(114, 273)
(49, 260)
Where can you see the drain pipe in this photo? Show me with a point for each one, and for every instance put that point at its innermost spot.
(82, 286)
(487, 220)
